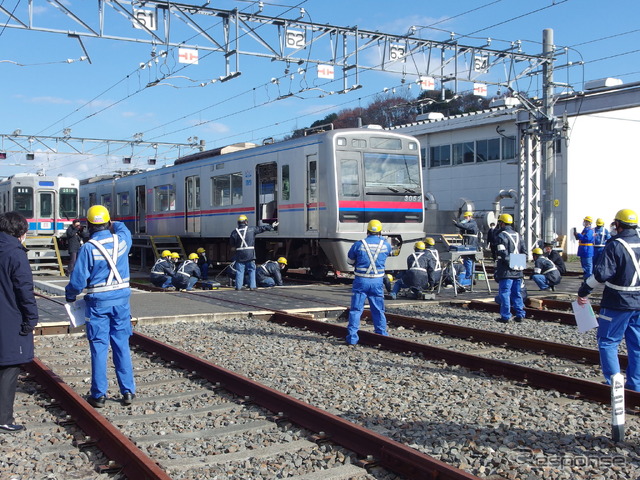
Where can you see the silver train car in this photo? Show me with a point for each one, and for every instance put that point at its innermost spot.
(322, 189)
(49, 203)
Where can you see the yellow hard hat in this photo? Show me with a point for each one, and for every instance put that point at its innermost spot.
(243, 218)
(588, 219)
(193, 256)
(175, 255)
(419, 246)
(166, 253)
(468, 214)
(505, 218)
(282, 260)
(390, 277)
(200, 250)
(537, 251)
(628, 217)
(374, 226)
(429, 241)
(600, 222)
(98, 215)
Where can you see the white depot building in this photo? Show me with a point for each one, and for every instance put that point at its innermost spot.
(474, 161)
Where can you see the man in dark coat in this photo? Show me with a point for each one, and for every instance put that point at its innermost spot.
(243, 240)
(187, 274)
(19, 313)
(76, 236)
(269, 273)
(509, 270)
(555, 257)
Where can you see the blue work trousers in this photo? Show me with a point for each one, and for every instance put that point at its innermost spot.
(509, 293)
(587, 266)
(469, 266)
(267, 282)
(250, 268)
(613, 325)
(110, 325)
(541, 281)
(597, 251)
(204, 268)
(363, 289)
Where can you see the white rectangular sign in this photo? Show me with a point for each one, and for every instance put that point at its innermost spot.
(148, 18)
(188, 55)
(427, 83)
(325, 71)
(480, 89)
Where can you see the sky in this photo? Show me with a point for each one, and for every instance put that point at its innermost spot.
(126, 90)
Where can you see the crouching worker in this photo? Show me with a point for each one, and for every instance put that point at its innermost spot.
(163, 270)
(187, 274)
(415, 277)
(269, 273)
(545, 273)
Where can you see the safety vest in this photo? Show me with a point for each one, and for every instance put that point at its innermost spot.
(436, 256)
(634, 287)
(114, 280)
(181, 268)
(416, 264)
(242, 233)
(372, 271)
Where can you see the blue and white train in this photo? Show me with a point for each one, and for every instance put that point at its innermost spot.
(322, 189)
(49, 203)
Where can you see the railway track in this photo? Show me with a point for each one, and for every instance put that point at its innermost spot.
(159, 438)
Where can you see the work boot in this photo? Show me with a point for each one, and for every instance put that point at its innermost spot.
(127, 398)
(97, 402)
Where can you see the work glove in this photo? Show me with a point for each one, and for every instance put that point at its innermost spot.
(70, 299)
(25, 329)
(275, 224)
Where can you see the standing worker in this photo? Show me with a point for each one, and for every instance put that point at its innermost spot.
(103, 266)
(203, 263)
(619, 317)
(269, 273)
(469, 231)
(243, 240)
(508, 273)
(187, 273)
(585, 246)
(545, 272)
(76, 236)
(600, 237)
(19, 313)
(368, 257)
(163, 270)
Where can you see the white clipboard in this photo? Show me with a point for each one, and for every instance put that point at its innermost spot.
(76, 312)
(585, 317)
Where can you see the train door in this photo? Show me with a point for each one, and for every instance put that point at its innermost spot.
(192, 204)
(46, 211)
(141, 209)
(267, 186)
(312, 193)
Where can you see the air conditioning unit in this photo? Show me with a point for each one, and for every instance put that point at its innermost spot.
(602, 83)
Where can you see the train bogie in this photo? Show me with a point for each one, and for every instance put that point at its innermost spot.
(320, 192)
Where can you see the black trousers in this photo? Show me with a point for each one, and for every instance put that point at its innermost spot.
(8, 385)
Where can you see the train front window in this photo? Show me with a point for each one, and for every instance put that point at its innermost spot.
(392, 172)
(69, 203)
(23, 201)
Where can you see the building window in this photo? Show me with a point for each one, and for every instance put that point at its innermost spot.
(165, 198)
(463, 153)
(226, 189)
(508, 148)
(440, 156)
(488, 150)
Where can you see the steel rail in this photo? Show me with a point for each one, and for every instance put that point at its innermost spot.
(132, 461)
(559, 350)
(531, 376)
(388, 453)
(564, 318)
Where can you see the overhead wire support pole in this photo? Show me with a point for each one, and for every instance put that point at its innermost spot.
(547, 125)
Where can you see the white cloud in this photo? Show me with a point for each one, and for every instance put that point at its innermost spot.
(215, 127)
(49, 100)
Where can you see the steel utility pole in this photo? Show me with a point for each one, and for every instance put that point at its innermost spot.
(547, 137)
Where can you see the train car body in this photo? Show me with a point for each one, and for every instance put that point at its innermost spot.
(49, 203)
(322, 189)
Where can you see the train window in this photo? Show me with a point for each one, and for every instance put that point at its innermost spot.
(92, 200)
(23, 201)
(387, 171)
(122, 204)
(349, 178)
(83, 207)
(69, 203)
(106, 201)
(165, 198)
(226, 189)
(358, 143)
(286, 183)
(236, 188)
(385, 143)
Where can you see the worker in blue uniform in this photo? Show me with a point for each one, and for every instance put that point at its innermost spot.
(585, 246)
(619, 317)
(203, 263)
(415, 277)
(469, 231)
(187, 273)
(545, 273)
(509, 274)
(368, 258)
(163, 271)
(102, 268)
(600, 237)
(269, 274)
(243, 240)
